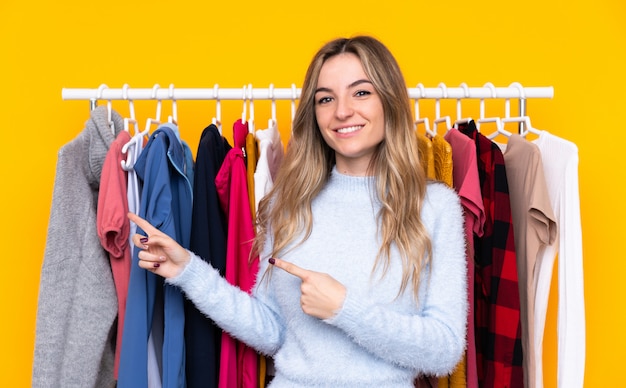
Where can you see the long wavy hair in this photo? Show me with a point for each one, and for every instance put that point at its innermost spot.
(285, 211)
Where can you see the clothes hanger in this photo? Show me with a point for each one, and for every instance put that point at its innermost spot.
(109, 107)
(110, 116)
(245, 106)
(137, 138)
(157, 117)
(497, 120)
(482, 105)
(459, 119)
(271, 122)
(217, 119)
(419, 120)
(525, 126)
(239, 136)
(525, 120)
(445, 119)
(251, 128)
(173, 118)
(528, 128)
(294, 96)
(499, 127)
(131, 108)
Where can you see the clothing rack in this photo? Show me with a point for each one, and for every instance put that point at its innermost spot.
(247, 93)
(488, 91)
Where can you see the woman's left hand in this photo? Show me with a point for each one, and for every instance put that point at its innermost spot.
(322, 296)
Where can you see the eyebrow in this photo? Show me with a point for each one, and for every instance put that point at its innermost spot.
(355, 83)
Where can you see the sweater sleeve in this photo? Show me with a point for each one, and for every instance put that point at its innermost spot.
(252, 319)
(433, 339)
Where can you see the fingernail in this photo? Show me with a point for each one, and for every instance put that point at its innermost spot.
(143, 240)
(156, 265)
(272, 260)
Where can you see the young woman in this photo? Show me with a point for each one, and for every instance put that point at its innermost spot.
(362, 279)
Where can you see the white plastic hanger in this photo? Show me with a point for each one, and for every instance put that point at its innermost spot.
(173, 118)
(529, 128)
(110, 116)
(445, 119)
(525, 127)
(525, 120)
(244, 109)
(251, 128)
(135, 145)
(271, 122)
(482, 105)
(294, 96)
(138, 137)
(419, 120)
(459, 118)
(217, 119)
(109, 107)
(499, 126)
(131, 108)
(157, 117)
(497, 120)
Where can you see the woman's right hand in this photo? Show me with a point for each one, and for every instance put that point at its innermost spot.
(159, 253)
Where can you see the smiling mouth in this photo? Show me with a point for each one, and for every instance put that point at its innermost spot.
(349, 129)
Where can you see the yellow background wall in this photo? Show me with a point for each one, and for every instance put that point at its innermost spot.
(578, 47)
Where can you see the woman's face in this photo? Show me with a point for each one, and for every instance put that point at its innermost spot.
(349, 113)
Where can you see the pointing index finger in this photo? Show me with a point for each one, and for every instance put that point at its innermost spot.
(289, 268)
(143, 224)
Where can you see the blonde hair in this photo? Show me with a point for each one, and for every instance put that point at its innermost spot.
(400, 181)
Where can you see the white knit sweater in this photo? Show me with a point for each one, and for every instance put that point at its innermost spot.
(377, 339)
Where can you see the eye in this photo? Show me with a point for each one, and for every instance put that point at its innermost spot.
(324, 100)
(362, 93)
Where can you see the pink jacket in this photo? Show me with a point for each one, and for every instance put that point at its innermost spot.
(114, 228)
(238, 362)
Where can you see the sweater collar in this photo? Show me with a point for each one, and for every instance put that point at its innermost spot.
(351, 182)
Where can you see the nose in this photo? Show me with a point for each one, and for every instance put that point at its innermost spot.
(343, 109)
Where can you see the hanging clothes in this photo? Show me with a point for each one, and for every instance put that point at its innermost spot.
(467, 185)
(560, 161)
(238, 362)
(153, 307)
(271, 154)
(252, 155)
(436, 159)
(208, 240)
(114, 228)
(535, 227)
(135, 146)
(425, 149)
(77, 303)
(443, 164)
(442, 159)
(496, 293)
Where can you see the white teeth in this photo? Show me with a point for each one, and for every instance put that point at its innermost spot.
(350, 129)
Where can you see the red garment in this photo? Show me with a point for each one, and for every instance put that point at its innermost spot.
(467, 185)
(114, 227)
(496, 294)
(238, 362)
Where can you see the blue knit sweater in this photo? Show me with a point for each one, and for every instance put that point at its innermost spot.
(377, 339)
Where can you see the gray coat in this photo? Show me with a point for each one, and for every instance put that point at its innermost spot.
(77, 307)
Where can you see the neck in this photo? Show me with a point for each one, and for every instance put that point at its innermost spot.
(354, 169)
